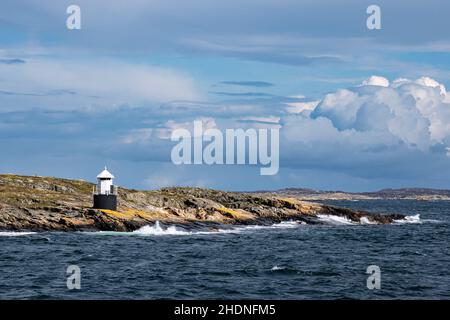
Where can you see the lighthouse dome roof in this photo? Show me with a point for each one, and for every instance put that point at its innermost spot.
(105, 174)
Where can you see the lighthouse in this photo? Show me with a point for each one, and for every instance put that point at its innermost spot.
(105, 192)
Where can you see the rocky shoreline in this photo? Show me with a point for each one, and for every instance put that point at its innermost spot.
(30, 203)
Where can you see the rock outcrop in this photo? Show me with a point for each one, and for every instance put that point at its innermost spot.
(46, 203)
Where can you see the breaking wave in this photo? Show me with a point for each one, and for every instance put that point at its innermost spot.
(336, 220)
(365, 220)
(158, 230)
(276, 268)
(15, 234)
(281, 225)
(410, 219)
(416, 219)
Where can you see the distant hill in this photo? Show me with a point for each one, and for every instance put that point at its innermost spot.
(404, 193)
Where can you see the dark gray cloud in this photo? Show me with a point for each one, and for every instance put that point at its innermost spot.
(43, 94)
(12, 61)
(289, 58)
(13, 93)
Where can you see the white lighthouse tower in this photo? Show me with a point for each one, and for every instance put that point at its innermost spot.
(105, 193)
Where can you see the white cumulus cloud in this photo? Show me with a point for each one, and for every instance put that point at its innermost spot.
(400, 131)
(376, 81)
(415, 113)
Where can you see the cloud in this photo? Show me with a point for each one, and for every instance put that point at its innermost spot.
(242, 94)
(258, 84)
(301, 107)
(137, 136)
(399, 131)
(114, 92)
(77, 84)
(353, 130)
(296, 34)
(365, 135)
(376, 81)
(268, 120)
(223, 18)
(258, 48)
(413, 112)
(12, 61)
(43, 94)
(428, 82)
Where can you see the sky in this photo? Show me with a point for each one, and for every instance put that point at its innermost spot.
(357, 109)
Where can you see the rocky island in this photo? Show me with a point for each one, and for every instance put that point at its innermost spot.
(46, 203)
(419, 194)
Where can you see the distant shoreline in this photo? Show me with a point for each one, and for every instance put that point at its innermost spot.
(421, 194)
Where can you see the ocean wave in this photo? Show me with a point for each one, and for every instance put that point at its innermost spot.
(276, 268)
(15, 233)
(280, 225)
(410, 219)
(281, 270)
(158, 230)
(416, 219)
(336, 220)
(365, 220)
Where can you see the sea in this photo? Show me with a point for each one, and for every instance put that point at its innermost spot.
(288, 260)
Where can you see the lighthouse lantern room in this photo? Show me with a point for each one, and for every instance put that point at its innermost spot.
(105, 193)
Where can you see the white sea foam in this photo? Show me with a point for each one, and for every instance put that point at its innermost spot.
(276, 268)
(410, 219)
(416, 219)
(15, 234)
(148, 230)
(365, 220)
(158, 230)
(280, 225)
(337, 220)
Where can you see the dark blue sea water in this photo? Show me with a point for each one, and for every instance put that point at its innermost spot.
(287, 261)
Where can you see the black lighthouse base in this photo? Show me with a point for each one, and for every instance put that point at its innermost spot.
(107, 202)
